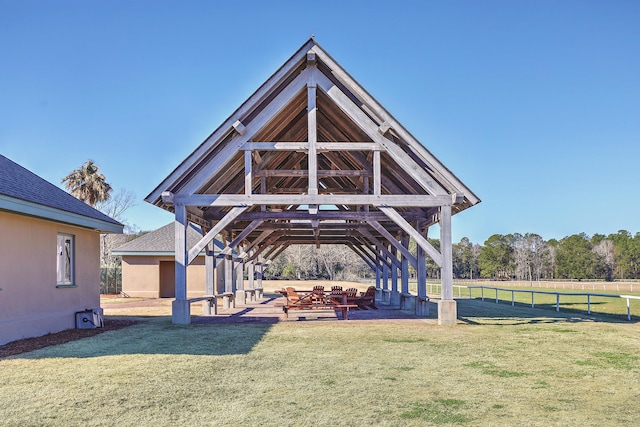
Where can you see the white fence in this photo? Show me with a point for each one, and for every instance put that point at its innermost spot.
(557, 294)
(557, 284)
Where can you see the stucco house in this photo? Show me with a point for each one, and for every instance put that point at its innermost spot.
(49, 255)
(148, 264)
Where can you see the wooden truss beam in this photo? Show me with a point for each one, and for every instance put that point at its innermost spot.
(361, 255)
(321, 173)
(331, 215)
(421, 241)
(243, 235)
(381, 247)
(198, 247)
(394, 200)
(387, 235)
(304, 146)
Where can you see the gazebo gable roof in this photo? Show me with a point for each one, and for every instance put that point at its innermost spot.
(350, 126)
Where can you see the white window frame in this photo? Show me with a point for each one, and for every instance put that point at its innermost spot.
(65, 256)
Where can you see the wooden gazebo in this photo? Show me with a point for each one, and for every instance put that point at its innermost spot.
(312, 158)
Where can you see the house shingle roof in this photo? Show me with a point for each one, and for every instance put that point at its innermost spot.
(20, 183)
(161, 240)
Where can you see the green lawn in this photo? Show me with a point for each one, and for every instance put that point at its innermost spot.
(500, 366)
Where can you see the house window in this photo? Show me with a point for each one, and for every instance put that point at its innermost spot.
(65, 256)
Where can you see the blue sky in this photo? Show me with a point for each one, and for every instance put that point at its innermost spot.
(535, 105)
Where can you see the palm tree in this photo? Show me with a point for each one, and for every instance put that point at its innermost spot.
(86, 184)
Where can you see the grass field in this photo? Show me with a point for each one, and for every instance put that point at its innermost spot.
(501, 365)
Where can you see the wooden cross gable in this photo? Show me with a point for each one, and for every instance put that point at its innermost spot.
(310, 136)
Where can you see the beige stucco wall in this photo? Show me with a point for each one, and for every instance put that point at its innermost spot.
(141, 276)
(30, 303)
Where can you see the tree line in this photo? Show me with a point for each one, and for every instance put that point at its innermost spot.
(501, 257)
(578, 256)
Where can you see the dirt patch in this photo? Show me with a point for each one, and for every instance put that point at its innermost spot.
(29, 344)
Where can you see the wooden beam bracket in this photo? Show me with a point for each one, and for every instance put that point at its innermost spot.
(239, 127)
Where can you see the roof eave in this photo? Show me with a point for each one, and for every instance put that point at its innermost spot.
(147, 253)
(18, 206)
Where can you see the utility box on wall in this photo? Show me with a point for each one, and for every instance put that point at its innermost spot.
(89, 319)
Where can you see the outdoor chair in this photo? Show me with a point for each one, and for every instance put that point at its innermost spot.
(292, 295)
(367, 299)
(336, 294)
(318, 294)
(352, 295)
(294, 299)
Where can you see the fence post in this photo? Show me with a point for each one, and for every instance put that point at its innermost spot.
(557, 301)
(532, 300)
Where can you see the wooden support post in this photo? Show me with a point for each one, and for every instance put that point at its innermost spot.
(405, 267)
(248, 174)
(228, 281)
(422, 270)
(385, 282)
(181, 251)
(365, 190)
(180, 308)
(446, 271)
(220, 274)
(447, 310)
(395, 295)
(385, 276)
(312, 129)
(251, 274)
(209, 268)
(240, 294)
(259, 275)
(263, 190)
(378, 275)
(376, 173)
